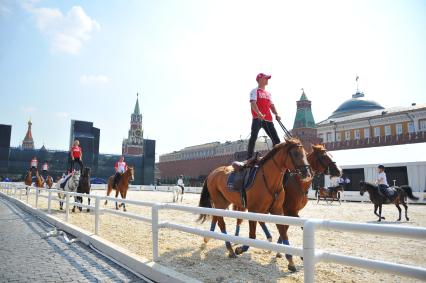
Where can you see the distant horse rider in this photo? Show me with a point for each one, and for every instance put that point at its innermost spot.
(120, 167)
(181, 184)
(45, 170)
(261, 107)
(33, 166)
(76, 155)
(382, 181)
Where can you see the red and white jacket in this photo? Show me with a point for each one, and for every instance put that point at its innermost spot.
(120, 167)
(45, 167)
(263, 101)
(34, 163)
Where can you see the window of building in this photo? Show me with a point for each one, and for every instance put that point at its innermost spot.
(388, 130)
(338, 137)
(422, 125)
(411, 127)
(321, 136)
(398, 129)
(376, 131)
(347, 135)
(366, 133)
(329, 137)
(357, 134)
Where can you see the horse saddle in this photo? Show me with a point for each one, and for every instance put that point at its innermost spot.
(241, 181)
(62, 185)
(389, 193)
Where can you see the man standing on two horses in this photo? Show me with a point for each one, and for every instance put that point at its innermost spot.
(33, 165)
(261, 107)
(76, 156)
(120, 167)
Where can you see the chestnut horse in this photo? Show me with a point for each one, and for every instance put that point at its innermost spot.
(49, 182)
(296, 190)
(122, 186)
(329, 194)
(266, 195)
(39, 181)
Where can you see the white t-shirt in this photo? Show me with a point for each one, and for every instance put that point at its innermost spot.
(381, 179)
(180, 182)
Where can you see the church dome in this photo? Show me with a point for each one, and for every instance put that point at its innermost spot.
(357, 104)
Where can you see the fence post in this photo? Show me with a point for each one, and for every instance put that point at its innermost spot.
(28, 193)
(309, 249)
(36, 200)
(49, 200)
(154, 225)
(67, 206)
(20, 193)
(97, 207)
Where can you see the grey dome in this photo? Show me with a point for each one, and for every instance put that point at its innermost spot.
(357, 104)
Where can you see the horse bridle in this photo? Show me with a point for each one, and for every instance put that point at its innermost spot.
(327, 167)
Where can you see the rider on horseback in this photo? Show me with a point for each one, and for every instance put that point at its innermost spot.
(382, 181)
(120, 167)
(45, 170)
(34, 164)
(181, 184)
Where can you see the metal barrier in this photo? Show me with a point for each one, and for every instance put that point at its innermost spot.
(310, 254)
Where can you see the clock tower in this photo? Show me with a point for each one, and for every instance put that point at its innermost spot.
(133, 145)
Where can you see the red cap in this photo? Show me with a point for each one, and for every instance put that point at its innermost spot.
(262, 75)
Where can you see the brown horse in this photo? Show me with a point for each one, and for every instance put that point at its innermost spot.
(122, 186)
(28, 178)
(329, 194)
(296, 189)
(49, 182)
(39, 181)
(376, 197)
(266, 195)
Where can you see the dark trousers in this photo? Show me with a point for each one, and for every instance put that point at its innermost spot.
(80, 162)
(269, 128)
(116, 179)
(383, 190)
(44, 174)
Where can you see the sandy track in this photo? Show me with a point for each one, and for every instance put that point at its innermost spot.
(183, 252)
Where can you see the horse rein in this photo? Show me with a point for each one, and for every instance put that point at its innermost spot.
(327, 167)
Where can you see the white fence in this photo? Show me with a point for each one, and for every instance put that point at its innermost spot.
(310, 254)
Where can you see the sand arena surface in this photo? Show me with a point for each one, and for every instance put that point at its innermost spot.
(183, 252)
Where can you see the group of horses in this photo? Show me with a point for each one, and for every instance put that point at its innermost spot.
(80, 183)
(280, 187)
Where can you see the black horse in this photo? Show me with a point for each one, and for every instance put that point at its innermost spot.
(400, 195)
(84, 187)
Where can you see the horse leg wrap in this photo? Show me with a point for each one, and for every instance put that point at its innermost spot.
(287, 243)
(245, 248)
(227, 244)
(266, 230)
(237, 230)
(213, 226)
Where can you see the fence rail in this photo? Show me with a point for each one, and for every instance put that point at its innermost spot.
(310, 253)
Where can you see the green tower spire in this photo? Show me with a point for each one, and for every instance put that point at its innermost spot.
(137, 111)
(304, 117)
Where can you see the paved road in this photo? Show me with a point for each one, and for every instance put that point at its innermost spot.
(27, 255)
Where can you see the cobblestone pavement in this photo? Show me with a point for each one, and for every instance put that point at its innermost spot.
(28, 255)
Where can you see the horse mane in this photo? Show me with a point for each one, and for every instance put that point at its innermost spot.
(318, 147)
(277, 147)
(368, 184)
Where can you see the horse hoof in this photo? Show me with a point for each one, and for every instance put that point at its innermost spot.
(105, 203)
(232, 255)
(206, 240)
(270, 240)
(279, 255)
(124, 209)
(383, 218)
(398, 219)
(301, 258)
(408, 219)
(239, 250)
(292, 268)
(80, 209)
(88, 210)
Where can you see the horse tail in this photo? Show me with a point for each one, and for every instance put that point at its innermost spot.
(204, 202)
(409, 192)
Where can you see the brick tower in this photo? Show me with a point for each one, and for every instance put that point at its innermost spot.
(133, 145)
(304, 127)
(28, 142)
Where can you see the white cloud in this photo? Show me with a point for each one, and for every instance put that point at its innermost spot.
(62, 114)
(28, 109)
(93, 79)
(67, 33)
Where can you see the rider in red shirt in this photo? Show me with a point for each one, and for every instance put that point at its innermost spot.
(76, 156)
(33, 165)
(261, 107)
(120, 167)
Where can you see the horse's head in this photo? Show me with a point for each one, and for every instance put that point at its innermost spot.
(86, 171)
(131, 171)
(362, 187)
(295, 158)
(321, 161)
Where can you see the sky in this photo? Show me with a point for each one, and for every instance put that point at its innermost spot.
(195, 62)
